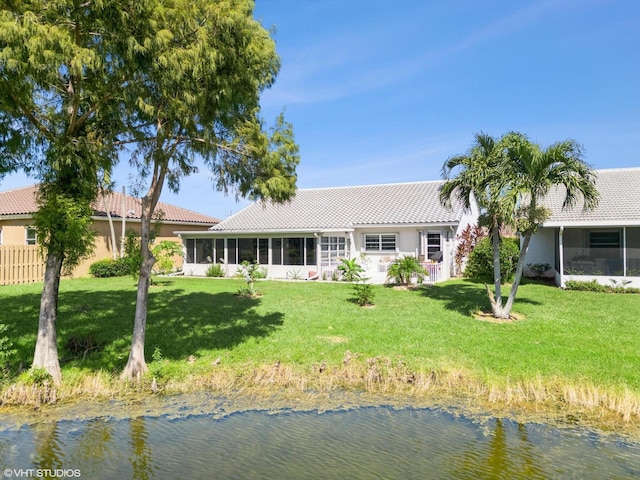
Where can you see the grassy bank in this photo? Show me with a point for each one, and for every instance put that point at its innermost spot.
(572, 352)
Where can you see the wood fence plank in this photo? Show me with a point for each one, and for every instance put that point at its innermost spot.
(20, 264)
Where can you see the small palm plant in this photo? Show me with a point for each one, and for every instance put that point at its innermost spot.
(350, 269)
(403, 270)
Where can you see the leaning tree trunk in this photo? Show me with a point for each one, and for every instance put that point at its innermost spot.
(46, 352)
(519, 272)
(136, 365)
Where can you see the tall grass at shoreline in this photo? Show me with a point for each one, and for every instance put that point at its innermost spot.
(568, 348)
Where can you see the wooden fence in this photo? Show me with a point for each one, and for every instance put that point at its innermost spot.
(20, 264)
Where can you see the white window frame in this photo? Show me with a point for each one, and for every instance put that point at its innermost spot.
(429, 244)
(332, 248)
(28, 240)
(0, 235)
(366, 241)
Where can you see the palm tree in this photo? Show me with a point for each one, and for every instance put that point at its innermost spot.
(476, 175)
(509, 178)
(530, 173)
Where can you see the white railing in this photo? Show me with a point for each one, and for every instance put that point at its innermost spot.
(434, 271)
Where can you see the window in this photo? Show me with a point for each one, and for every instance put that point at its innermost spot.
(219, 250)
(200, 250)
(191, 250)
(204, 250)
(604, 239)
(332, 248)
(276, 251)
(310, 249)
(247, 248)
(252, 250)
(263, 251)
(380, 243)
(232, 250)
(434, 246)
(31, 236)
(0, 236)
(293, 251)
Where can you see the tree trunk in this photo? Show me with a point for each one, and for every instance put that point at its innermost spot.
(496, 300)
(46, 352)
(136, 365)
(519, 272)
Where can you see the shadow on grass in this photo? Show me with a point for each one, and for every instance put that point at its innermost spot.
(467, 297)
(179, 323)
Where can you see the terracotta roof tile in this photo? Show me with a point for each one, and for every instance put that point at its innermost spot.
(21, 201)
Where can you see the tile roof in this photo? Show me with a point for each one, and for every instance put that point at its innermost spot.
(21, 201)
(619, 201)
(345, 208)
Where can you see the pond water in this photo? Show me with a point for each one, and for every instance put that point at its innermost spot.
(359, 443)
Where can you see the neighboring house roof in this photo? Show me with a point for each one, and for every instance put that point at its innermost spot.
(619, 201)
(22, 201)
(343, 208)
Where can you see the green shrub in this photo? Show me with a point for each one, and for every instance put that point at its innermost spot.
(37, 376)
(6, 347)
(164, 253)
(404, 269)
(480, 264)
(363, 292)
(215, 270)
(110, 268)
(132, 253)
(250, 271)
(158, 364)
(594, 286)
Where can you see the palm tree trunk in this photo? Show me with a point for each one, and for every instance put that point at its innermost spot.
(46, 352)
(496, 300)
(519, 272)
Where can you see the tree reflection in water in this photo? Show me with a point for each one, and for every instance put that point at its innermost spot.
(141, 461)
(357, 444)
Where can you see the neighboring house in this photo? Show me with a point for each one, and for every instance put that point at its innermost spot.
(18, 206)
(312, 232)
(602, 244)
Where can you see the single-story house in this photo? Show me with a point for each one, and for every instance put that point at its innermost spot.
(318, 227)
(602, 244)
(17, 207)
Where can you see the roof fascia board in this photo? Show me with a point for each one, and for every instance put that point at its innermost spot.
(163, 222)
(408, 225)
(209, 233)
(21, 216)
(608, 223)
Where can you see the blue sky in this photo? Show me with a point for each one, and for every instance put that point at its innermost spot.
(382, 91)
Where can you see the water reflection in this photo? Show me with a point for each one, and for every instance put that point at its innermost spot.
(359, 444)
(49, 453)
(140, 450)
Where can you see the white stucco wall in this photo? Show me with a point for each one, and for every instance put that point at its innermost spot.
(541, 250)
(375, 263)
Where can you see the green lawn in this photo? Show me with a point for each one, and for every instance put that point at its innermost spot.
(580, 337)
